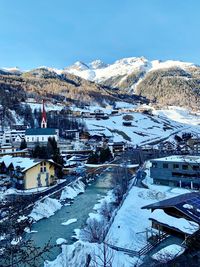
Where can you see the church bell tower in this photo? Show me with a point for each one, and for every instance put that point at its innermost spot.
(44, 116)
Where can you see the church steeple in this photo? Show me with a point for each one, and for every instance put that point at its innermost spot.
(44, 117)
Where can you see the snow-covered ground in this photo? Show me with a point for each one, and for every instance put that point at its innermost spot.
(48, 206)
(71, 191)
(45, 209)
(144, 128)
(128, 229)
(179, 114)
(48, 106)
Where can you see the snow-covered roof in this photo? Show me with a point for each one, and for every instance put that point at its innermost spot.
(40, 131)
(23, 163)
(180, 224)
(188, 204)
(168, 253)
(186, 159)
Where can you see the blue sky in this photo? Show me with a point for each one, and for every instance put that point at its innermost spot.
(58, 33)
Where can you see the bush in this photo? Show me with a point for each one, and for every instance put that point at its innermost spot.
(128, 117)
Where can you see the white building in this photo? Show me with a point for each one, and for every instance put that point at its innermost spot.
(40, 135)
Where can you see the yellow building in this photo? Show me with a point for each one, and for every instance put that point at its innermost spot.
(27, 173)
(42, 174)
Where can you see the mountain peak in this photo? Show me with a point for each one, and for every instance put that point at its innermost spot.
(79, 65)
(97, 64)
(131, 60)
(12, 70)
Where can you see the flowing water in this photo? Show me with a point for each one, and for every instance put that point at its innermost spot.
(52, 228)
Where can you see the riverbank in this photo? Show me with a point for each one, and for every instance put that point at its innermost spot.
(53, 227)
(128, 231)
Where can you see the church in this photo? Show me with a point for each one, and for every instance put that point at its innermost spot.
(41, 135)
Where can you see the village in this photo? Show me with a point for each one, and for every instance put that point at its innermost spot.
(36, 163)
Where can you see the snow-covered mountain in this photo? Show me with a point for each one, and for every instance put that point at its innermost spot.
(98, 71)
(165, 82)
(115, 74)
(11, 71)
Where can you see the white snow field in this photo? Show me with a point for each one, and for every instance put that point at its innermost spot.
(179, 114)
(144, 128)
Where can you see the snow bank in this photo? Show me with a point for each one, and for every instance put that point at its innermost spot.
(70, 192)
(168, 253)
(76, 255)
(61, 241)
(69, 221)
(29, 231)
(45, 209)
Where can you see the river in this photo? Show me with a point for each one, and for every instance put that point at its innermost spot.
(52, 228)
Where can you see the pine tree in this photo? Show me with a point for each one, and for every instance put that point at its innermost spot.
(23, 144)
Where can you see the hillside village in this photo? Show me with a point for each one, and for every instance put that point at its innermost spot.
(99, 133)
(152, 156)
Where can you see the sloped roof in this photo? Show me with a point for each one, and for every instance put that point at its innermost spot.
(180, 224)
(188, 203)
(41, 131)
(179, 158)
(23, 163)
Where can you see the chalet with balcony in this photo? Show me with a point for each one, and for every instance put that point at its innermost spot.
(178, 216)
(177, 171)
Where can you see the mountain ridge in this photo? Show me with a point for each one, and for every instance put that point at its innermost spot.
(169, 82)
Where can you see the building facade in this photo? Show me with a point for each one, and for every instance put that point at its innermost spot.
(177, 171)
(27, 173)
(40, 135)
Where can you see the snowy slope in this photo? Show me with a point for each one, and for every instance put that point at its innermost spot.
(144, 128)
(179, 114)
(13, 70)
(100, 72)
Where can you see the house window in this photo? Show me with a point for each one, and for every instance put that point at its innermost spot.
(185, 167)
(32, 138)
(195, 167)
(44, 163)
(154, 164)
(45, 169)
(165, 165)
(41, 169)
(175, 166)
(42, 138)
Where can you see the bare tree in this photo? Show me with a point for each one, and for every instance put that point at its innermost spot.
(95, 230)
(15, 249)
(104, 257)
(106, 210)
(120, 183)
